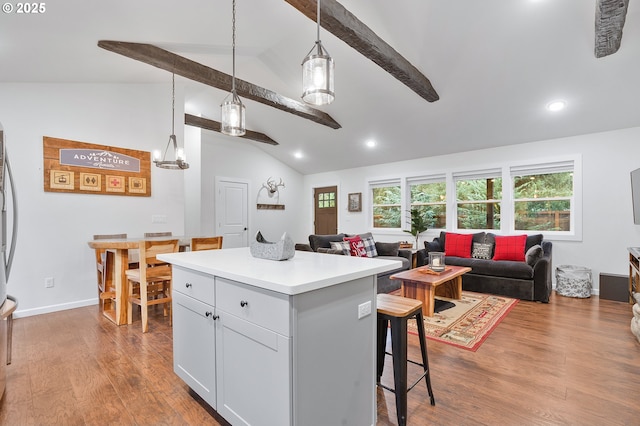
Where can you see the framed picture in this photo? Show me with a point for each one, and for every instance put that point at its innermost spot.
(355, 202)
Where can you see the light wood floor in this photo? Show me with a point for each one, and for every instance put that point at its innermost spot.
(569, 362)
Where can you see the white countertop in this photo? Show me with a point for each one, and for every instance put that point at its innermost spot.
(306, 271)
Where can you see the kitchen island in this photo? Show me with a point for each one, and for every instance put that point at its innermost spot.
(278, 343)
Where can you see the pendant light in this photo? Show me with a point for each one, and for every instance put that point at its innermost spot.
(232, 110)
(178, 153)
(317, 73)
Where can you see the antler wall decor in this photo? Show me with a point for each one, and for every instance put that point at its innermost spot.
(272, 190)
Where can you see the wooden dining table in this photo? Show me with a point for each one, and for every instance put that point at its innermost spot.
(120, 247)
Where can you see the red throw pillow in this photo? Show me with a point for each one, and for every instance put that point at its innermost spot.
(357, 246)
(510, 248)
(458, 245)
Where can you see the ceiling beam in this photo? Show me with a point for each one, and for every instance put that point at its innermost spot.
(208, 124)
(344, 25)
(195, 71)
(610, 18)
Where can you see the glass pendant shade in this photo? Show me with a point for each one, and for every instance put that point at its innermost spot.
(317, 77)
(232, 112)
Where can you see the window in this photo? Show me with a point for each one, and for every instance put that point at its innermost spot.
(543, 197)
(386, 204)
(524, 197)
(326, 200)
(478, 199)
(429, 197)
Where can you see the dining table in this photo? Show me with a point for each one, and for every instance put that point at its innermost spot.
(120, 247)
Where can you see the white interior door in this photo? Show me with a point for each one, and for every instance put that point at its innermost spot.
(232, 211)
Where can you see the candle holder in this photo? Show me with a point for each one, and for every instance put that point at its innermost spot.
(436, 261)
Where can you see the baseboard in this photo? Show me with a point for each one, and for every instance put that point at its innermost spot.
(21, 313)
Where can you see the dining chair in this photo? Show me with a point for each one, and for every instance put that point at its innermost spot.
(206, 243)
(104, 269)
(150, 284)
(157, 234)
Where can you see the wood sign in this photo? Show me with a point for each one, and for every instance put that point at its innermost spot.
(85, 168)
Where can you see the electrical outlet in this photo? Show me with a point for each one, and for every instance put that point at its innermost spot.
(364, 309)
(48, 282)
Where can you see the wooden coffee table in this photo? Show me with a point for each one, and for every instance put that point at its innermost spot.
(417, 284)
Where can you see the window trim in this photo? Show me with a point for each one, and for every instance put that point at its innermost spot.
(505, 170)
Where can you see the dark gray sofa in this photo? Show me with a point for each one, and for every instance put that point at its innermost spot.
(390, 251)
(519, 280)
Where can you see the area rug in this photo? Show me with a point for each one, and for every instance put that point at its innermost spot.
(468, 324)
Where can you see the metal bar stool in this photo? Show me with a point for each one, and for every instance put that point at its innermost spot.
(398, 310)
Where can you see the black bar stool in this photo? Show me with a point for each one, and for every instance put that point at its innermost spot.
(398, 310)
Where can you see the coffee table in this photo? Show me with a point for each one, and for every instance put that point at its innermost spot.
(420, 285)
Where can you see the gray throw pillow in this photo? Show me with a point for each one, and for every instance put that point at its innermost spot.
(481, 251)
(387, 249)
(534, 254)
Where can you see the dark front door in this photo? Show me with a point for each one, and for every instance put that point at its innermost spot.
(326, 210)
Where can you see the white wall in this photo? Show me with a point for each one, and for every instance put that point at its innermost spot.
(54, 227)
(607, 159)
(229, 157)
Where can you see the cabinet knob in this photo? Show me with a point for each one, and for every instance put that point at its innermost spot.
(243, 303)
(188, 285)
(210, 314)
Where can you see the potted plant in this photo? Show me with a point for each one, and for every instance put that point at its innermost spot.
(419, 224)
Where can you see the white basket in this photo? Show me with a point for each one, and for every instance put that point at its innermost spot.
(573, 281)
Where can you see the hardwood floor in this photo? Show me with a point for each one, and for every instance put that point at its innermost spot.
(569, 362)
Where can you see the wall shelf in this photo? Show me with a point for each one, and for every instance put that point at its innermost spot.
(270, 206)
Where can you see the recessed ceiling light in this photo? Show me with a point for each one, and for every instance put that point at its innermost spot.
(371, 143)
(298, 154)
(557, 105)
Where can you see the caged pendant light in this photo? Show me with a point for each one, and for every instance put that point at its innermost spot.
(232, 109)
(317, 73)
(161, 160)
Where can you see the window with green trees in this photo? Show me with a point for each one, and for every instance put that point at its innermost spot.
(430, 200)
(542, 202)
(523, 197)
(479, 202)
(387, 205)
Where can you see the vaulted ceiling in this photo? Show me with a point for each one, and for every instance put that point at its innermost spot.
(494, 64)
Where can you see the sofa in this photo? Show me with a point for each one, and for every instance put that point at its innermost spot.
(390, 251)
(527, 278)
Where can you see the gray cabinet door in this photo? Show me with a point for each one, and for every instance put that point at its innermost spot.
(253, 373)
(194, 345)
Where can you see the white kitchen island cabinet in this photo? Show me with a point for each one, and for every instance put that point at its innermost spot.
(287, 343)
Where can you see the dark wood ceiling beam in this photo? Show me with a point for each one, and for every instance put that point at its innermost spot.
(344, 25)
(195, 71)
(610, 18)
(208, 124)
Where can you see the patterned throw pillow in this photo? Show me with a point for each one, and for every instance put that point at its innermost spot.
(342, 246)
(482, 251)
(510, 248)
(458, 245)
(370, 246)
(357, 246)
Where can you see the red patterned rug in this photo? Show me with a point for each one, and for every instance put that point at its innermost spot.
(469, 323)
